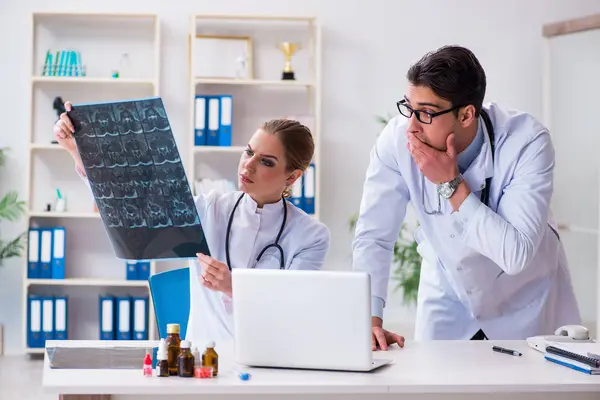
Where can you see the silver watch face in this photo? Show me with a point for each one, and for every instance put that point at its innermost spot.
(445, 190)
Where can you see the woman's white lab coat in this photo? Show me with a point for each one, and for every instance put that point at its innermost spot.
(500, 268)
(305, 242)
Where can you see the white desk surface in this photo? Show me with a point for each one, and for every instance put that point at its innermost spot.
(420, 367)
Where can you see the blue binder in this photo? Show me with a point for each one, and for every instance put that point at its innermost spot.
(213, 115)
(45, 253)
(226, 110)
(123, 321)
(200, 120)
(34, 321)
(143, 270)
(33, 254)
(61, 308)
(47, 319)
(139, 311)
(59, 241)
(309, 189)
(132, 270)
(296, 197)
(107, 318)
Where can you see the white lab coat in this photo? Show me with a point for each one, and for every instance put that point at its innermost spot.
(305, 242)
(501, 269)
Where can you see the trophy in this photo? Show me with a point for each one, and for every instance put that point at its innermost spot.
(288, 49)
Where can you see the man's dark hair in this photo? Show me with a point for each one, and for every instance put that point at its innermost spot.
(454, 74)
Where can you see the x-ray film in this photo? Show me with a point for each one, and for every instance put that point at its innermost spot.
(138, 180)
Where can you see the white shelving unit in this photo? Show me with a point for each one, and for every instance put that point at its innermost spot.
(91, 268)
(259, 96)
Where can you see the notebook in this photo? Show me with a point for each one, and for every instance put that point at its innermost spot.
(587, 349)
(573, 364)
(138, 180)
(583, 357)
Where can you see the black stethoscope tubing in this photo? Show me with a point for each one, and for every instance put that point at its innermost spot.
(485, 195)
(275, 244)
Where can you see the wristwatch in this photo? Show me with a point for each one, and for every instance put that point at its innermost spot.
(447, 189)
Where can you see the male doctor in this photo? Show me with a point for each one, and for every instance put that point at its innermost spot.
(480, 180)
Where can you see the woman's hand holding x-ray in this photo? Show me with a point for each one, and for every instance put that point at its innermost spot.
(63, 130)
(215, 274)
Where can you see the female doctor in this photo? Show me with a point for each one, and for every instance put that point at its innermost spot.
(254, 227)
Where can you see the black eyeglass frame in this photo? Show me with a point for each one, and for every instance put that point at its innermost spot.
(418, 112)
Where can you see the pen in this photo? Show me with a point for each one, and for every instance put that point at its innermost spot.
(506, 351)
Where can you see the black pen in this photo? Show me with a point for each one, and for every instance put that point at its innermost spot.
(506, 351)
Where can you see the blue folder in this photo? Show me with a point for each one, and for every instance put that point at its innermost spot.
(139, 312)
(61, 313)
(143, 270)
(107, 317)
(213, 120)
(226, 117)
(132, 270)
(45, 253)
(123, 320)
(59, 241)
(200, 120)
(33, 254)
(34, 321)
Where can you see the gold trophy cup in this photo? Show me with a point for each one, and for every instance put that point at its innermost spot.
(288, 49)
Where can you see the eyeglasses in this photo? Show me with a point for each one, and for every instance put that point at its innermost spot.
(423, 116)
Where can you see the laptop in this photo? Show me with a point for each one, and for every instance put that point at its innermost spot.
(303, 319)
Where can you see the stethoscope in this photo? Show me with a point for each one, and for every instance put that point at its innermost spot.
(275, 244)
(485, 193)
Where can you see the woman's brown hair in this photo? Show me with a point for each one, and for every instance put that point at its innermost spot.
(297, 141)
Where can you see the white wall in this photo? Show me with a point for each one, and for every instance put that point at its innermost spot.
(367, 48)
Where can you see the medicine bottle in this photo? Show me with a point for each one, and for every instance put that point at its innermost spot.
(210, 358)
(162, 364)
(197, 360)
(186, 360)
(148, 364)
(173, 347)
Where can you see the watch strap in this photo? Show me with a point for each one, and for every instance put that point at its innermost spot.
(456, 181)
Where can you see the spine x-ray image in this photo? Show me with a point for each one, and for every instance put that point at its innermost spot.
(137, 179)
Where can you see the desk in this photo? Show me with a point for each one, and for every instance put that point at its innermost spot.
(424, 370)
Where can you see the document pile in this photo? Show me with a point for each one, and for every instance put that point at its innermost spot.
(106, 356)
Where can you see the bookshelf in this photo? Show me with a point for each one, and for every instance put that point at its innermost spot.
(258, 92)
(121, 55)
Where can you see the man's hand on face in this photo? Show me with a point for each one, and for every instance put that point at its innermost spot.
(437, 166)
